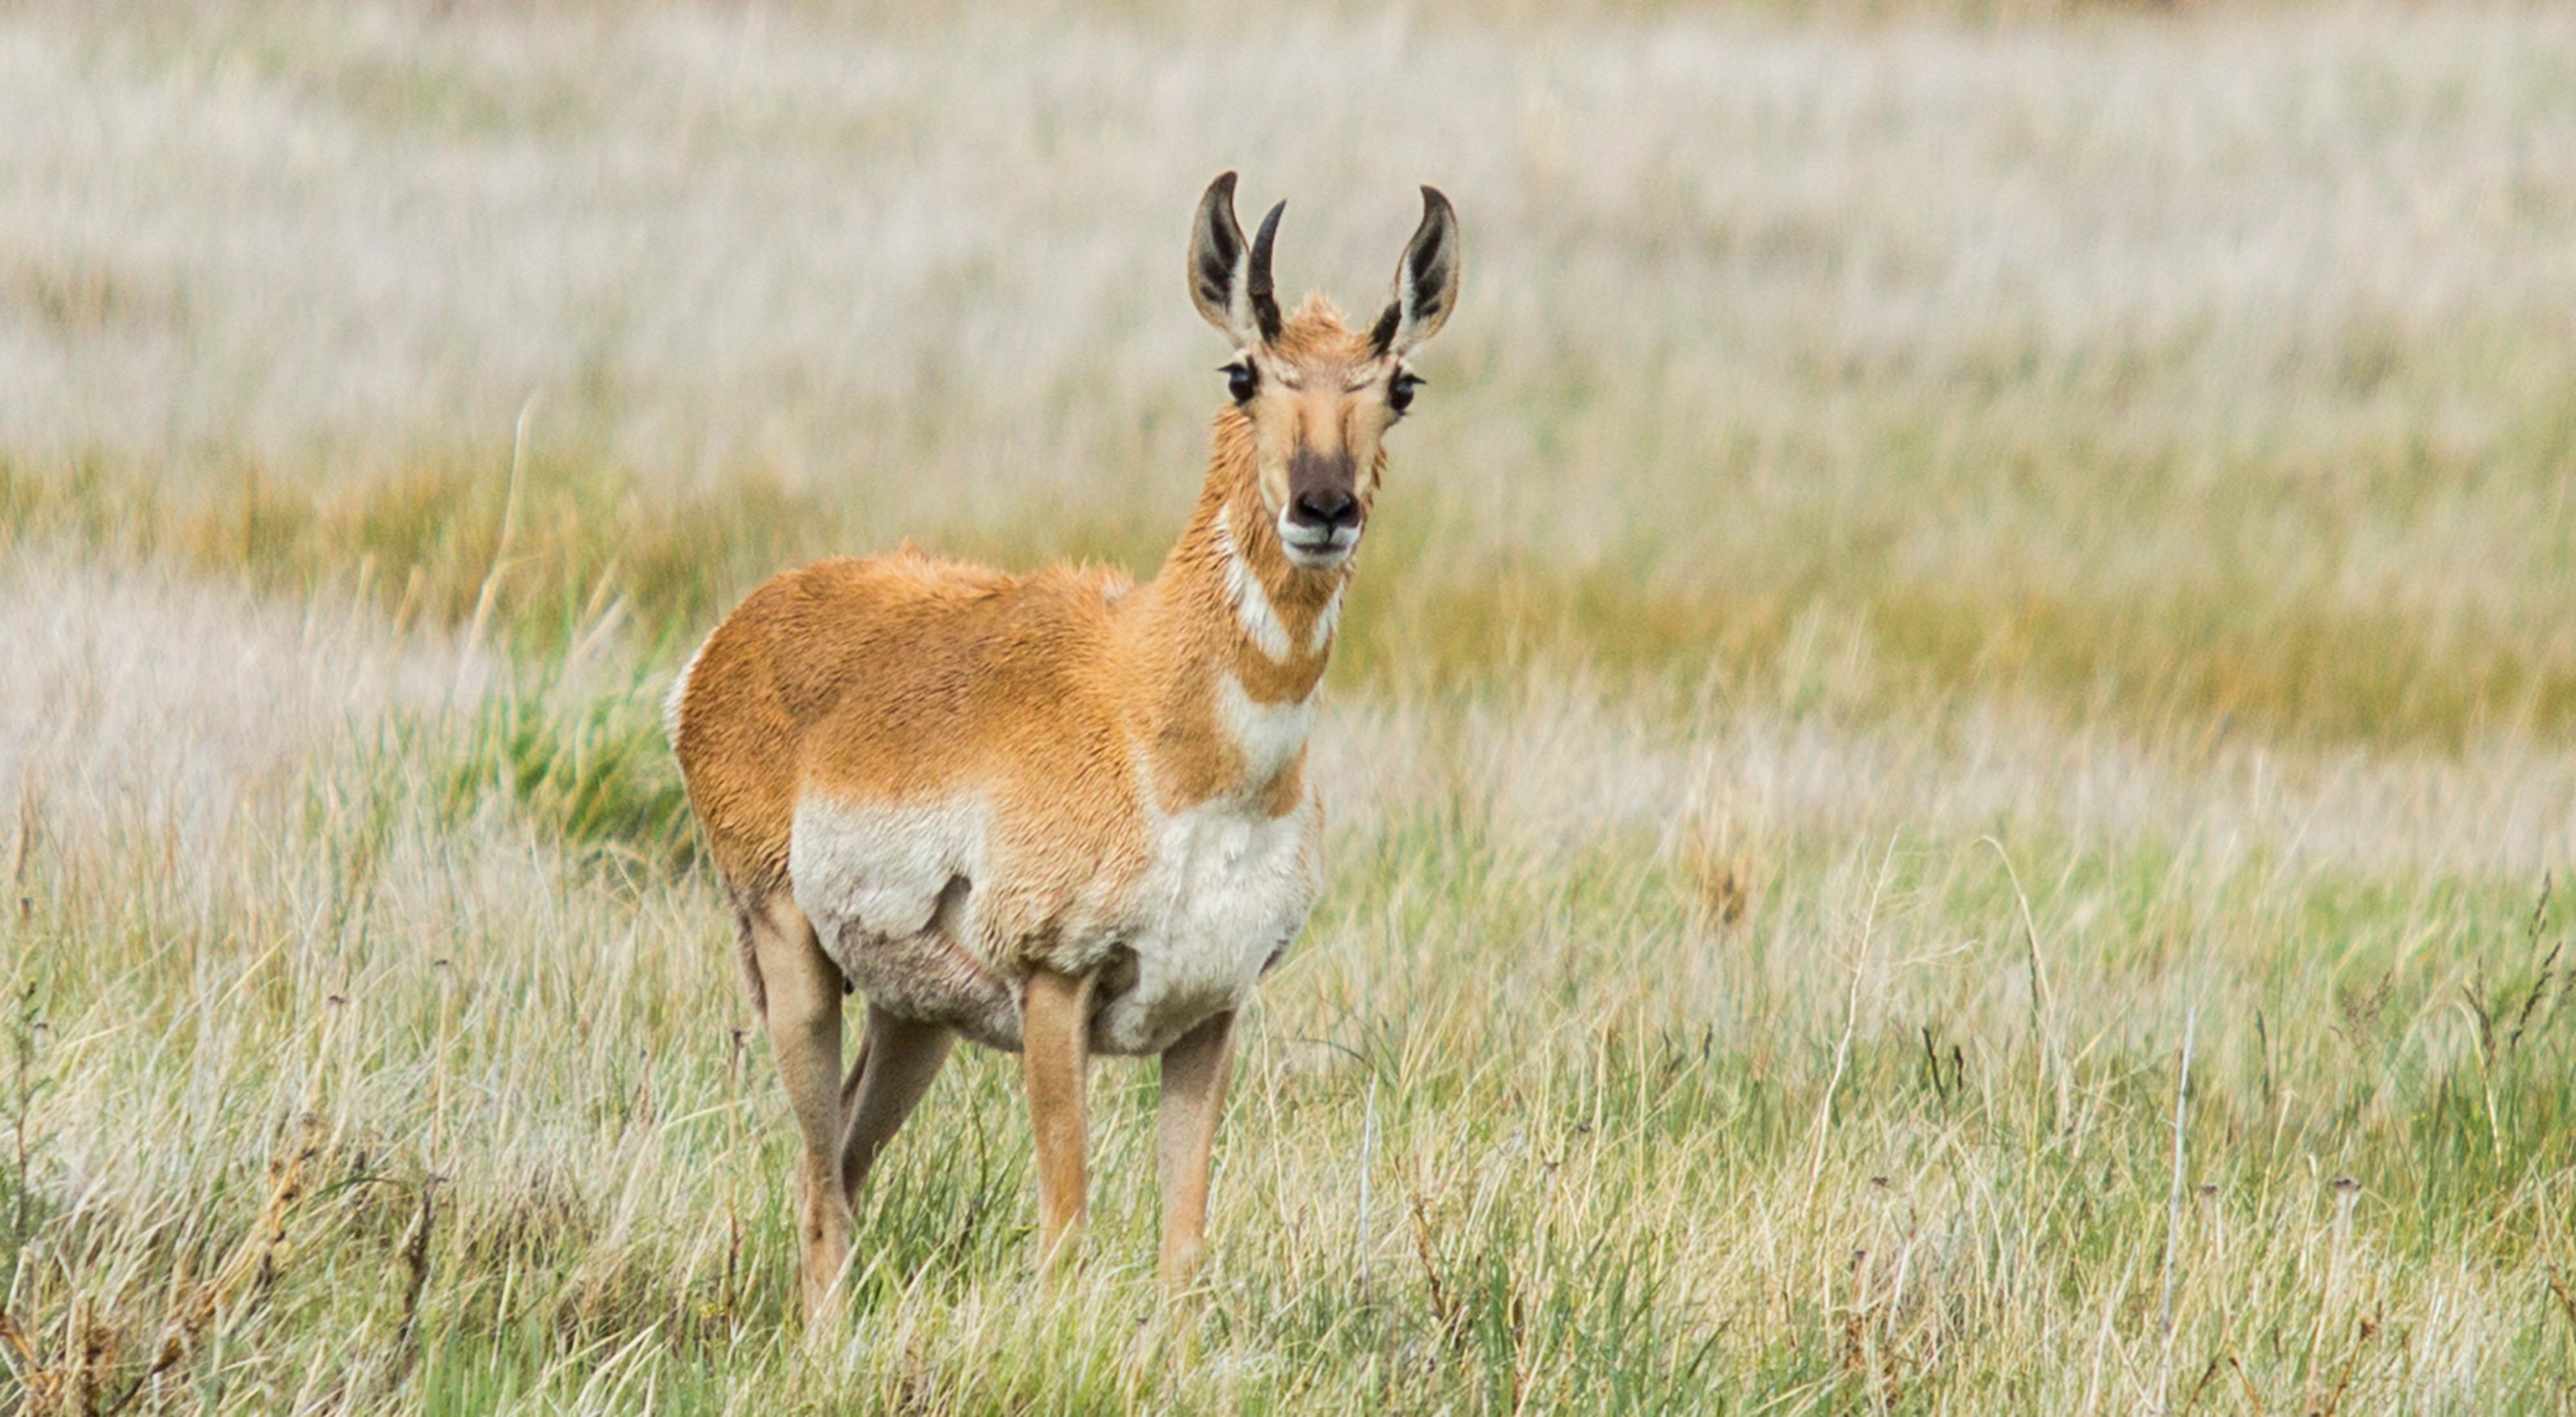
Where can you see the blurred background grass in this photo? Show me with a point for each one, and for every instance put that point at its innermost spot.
(2171, 369)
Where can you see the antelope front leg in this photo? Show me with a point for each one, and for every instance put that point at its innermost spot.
(1055, 1041)
(1194, 1076)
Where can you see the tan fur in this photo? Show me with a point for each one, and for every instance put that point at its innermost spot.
(997, 772)
(900, 678)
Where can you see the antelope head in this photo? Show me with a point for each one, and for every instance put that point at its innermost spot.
(1313, 396)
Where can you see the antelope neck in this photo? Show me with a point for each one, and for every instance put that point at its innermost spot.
(1237, 637)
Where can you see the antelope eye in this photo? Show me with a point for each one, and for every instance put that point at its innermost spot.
(1399, 395)
(1240, 380)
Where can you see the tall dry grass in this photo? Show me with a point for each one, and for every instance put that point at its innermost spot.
(1753, 1060)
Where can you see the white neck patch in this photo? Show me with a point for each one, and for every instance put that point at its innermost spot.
(1252, 607)
(1269, 735)
(1327, 623)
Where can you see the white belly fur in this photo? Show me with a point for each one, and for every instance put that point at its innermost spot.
(873, 878)
(1225, 890)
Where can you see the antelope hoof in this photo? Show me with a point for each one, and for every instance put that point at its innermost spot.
(827, 1252)
(1181, 1263)
(1060, 1254)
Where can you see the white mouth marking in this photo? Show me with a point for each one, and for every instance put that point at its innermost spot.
(1313, 553)
(1252, 607)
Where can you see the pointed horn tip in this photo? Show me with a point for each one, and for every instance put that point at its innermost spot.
(1261, 244)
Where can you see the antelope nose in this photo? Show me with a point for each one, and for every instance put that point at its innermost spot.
(1330, 507)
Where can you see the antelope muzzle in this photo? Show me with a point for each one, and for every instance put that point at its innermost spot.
(1321, 523)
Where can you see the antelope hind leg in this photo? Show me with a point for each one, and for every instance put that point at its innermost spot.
(803, 1014)
(897, 1060)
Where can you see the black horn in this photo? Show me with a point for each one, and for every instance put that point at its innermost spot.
(1265, 305)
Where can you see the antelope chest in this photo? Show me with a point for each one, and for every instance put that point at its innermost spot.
(1226, 889)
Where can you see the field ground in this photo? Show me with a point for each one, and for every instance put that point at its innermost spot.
(1952, 566)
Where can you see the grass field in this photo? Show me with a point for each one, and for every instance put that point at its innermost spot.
(1954, 564)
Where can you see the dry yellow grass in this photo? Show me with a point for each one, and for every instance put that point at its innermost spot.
(1936, 550)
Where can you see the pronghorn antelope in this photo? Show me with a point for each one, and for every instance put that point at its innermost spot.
(1061, 814)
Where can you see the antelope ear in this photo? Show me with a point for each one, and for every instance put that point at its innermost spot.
(1230, 281)
(1426, 280)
